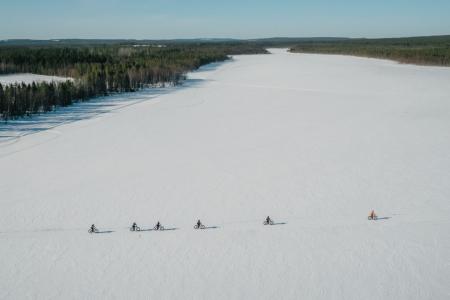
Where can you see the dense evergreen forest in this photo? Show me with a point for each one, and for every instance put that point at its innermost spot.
(417, 50)
(98, 70)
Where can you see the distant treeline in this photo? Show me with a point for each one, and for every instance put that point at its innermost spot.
(418, 50)
(100, 70)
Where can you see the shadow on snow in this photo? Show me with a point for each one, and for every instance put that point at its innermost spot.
(83, 110)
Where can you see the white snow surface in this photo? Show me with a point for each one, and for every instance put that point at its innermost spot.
(314, 141)
(29, 78)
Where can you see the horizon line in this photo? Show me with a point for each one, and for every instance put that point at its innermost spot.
(220, 38)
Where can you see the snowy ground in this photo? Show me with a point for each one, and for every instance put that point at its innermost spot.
(28, 78)
(314, 141)
(14, 130)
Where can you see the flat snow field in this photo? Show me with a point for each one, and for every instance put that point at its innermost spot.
(314, 141)
(29, 78)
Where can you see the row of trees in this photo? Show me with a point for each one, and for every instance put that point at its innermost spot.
(97, 71)
(421, 50)
(26, 99)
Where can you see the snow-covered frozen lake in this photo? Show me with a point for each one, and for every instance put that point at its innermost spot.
(29, 78)
(314, 141)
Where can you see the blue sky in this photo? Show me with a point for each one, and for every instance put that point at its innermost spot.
(162, 19)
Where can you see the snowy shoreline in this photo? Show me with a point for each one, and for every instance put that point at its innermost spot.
(374, 58)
